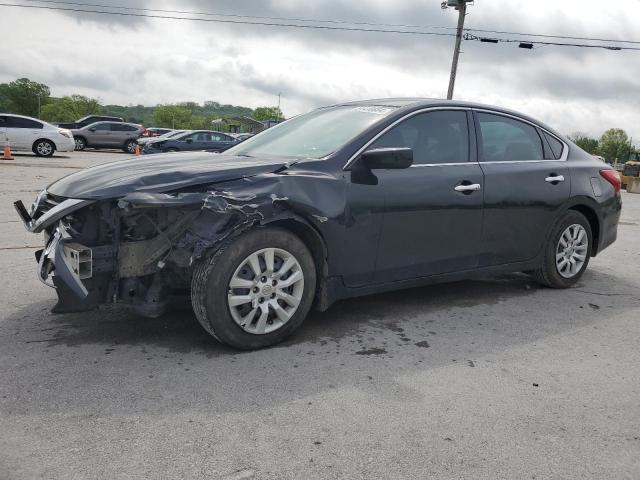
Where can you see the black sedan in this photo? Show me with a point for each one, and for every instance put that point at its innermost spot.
(194, 140)
(347, 200)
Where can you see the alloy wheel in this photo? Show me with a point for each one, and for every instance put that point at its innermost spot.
(572, 250)
(44, 148)
(265, 290)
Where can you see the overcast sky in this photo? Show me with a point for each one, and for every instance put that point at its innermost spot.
(128, 60)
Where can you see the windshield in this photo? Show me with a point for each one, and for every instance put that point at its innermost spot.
(313, 135)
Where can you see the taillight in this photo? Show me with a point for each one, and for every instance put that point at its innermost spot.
(613, 178)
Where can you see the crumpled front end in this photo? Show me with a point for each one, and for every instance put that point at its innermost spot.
(140, 249)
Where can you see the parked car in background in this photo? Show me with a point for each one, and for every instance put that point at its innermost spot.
(156, 132)
(142, 141)
(26, 134)
(195, 140)
(88, 120)
(348, 200)
(108, 135)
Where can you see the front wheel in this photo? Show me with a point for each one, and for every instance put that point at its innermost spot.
(256, 290)
(567, 252)
(44, 148)
(130, 146)
(81, 143)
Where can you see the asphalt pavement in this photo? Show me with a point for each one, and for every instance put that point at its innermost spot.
(493, 379)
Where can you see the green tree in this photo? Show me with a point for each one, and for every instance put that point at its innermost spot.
(267, 113)
(614, 144)
(588, 144)
(172, 116)
(70, 109)
(200, 122)
(23, 96)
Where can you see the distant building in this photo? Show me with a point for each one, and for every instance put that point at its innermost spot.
(241, 124)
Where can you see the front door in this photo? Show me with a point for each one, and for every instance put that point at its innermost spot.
(100, 135)
(526, 183)
(22, 132)
(432, 222)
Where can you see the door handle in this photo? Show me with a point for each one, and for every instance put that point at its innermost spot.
(474, 187)
(554, 178)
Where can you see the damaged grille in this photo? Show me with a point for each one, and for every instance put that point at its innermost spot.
(50, 202)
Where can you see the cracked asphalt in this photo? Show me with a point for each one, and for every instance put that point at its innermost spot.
(494, 379)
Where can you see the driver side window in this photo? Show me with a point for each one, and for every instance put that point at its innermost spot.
(435, 137)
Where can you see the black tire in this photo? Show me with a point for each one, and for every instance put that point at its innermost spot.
(171, 150)
(210, 285)
(44, 148)
(548, 274)
(130, 146)
(81, 143)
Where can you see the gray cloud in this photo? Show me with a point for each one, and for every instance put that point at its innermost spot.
(130, 60)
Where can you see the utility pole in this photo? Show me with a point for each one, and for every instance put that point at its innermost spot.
(461, 6)
(278, 119)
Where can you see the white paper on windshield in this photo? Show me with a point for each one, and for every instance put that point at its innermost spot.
(375, 109)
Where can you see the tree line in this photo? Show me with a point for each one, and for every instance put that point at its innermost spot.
(614, 145)
(33, 99)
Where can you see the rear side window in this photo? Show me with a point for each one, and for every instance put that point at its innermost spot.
(435, 137)
(17, 122)
(121, 127)
(503, 139)
(554, 144)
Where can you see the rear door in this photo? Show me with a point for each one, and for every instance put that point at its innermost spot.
(526, 184)
(220, 142)
(22, 132)
(121, 133)
(432, 221)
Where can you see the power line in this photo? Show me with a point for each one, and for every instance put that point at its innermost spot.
(315, 27)
(237, 22)
(522, 42)
(340, 22)
(541, 35)
(236, 15)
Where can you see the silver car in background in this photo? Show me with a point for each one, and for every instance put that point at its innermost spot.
(108, 135)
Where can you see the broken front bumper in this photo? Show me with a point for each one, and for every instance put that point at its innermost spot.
(64, 264)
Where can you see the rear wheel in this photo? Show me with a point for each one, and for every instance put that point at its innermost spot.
(567, 252)
(44, 148)
(81, 143)
(256, 290)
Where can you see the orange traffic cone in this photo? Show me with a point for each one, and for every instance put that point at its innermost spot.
(6, 154)
(137, 149)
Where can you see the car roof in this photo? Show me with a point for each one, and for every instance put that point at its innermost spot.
(21, 116)
(415, 103)
(113, 121)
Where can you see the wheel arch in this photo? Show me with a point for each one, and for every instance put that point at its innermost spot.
(312, 239)
(590, 214)
(33, 145)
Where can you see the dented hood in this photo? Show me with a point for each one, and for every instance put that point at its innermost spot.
(161, 173)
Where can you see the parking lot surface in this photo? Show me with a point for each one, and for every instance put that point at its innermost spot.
(479, 379)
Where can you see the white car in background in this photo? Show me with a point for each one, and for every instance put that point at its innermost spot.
(26, 134)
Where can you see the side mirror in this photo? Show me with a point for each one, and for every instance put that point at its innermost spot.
(387, 158)
(92, 129)
(189, 140)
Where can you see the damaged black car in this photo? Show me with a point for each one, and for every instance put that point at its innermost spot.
(347, 200)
